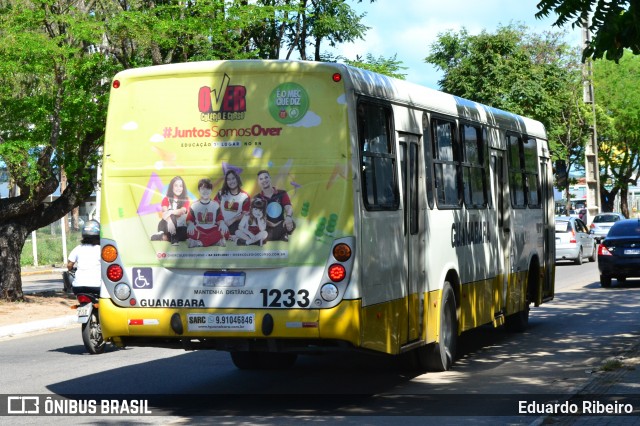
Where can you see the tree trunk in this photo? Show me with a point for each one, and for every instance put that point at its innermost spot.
(12, 239)
(607, 199)
(624, 202)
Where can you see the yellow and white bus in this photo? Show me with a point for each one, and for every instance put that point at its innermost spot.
(273, 208)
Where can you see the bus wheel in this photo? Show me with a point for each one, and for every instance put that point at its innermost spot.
(263, 360)
(440, 355)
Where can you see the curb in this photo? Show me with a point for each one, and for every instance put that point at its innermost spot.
(40, 325)
(598, 384)
(42, 271)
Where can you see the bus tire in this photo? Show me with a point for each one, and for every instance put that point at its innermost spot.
(245, 360)
(440, 355)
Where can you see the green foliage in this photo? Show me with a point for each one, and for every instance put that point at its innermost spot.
(387, 66)
(617, 93)
(538, 76)
(615, 24)
(52, 94)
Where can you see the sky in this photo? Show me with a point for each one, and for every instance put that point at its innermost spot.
(409, 27)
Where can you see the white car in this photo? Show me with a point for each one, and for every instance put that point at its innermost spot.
(573, 241)
(601, 224)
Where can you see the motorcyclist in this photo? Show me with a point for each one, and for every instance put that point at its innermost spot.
(85, 258)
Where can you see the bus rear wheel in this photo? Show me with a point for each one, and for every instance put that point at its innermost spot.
(245, 360)
(440, 355)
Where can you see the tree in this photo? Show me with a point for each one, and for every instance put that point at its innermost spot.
(57, 58)
(615, 24)
(618, 96)
(533, 75)
(381, 65)
(53, 106)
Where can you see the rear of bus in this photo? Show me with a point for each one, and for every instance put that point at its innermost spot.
(198, 123)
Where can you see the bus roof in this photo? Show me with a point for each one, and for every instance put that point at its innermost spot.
(422, 97)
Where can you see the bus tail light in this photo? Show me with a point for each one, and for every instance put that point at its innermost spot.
(109, 253)
(115, 273)
(337, 272)
(342, 252)
(329, 292)
(122, 291)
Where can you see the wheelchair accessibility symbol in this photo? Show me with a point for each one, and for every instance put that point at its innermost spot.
(142, 278)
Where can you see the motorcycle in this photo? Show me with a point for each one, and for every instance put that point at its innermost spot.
(88, 315)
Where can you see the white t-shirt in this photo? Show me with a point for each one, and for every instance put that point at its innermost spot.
(87, 260)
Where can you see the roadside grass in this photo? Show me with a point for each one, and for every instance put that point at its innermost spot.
(49, 246)
(612, 365)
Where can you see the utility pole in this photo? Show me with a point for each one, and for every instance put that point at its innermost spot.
(591, 167)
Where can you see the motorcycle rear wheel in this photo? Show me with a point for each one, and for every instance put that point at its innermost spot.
(92, 335)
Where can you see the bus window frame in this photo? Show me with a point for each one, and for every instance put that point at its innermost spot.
(531, 172)
(527, 169)
(437, 161)
(482, 163)
(513, 170)
(364, 154)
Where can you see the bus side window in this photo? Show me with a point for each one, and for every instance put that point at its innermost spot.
(379, 183)
(531, 170)
(473, 168)
(516, 172)
(446, 164)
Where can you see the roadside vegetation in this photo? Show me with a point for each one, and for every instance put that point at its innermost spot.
(49, 246)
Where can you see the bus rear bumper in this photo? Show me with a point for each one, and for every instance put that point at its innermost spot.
(290, 330)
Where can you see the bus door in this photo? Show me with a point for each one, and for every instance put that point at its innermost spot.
(502, 220)
(409, 150)
(548, 209)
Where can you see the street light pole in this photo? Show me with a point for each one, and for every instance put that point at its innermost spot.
(591, 168)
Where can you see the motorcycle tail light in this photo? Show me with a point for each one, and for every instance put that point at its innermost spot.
(83, 298)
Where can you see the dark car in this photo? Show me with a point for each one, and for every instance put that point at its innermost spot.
(619, 253)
